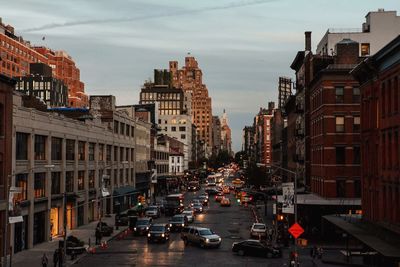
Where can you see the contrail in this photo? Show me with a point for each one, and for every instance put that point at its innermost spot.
(160, 15)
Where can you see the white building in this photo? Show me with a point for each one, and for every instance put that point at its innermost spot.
(380, 28)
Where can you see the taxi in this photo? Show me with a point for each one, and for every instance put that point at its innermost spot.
(225, 202)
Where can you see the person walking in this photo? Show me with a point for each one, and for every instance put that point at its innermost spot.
(45, 260)
(56, 257)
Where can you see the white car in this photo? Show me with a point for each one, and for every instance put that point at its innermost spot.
(258, 230)
(189, 214)
(152, 211)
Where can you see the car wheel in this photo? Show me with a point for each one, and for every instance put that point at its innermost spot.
(241, 252)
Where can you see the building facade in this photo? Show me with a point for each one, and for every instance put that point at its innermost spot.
(190, 79)
(143, 155)
(6, 121)
(82, 154)
(216, 131)
(284, 90)
(226, 135)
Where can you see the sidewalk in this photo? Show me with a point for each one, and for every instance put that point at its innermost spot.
(33, 257)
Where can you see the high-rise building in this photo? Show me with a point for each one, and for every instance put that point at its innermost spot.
(216, 130)
(16, 55)
(189, 78)
(226, 135)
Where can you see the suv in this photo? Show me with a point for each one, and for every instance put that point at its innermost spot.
(258, 230)
(142, 226)
(158, 232)
(203, 237)
(177, 222)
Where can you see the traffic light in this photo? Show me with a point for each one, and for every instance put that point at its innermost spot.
(280, 217)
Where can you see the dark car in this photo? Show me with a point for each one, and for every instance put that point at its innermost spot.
(203, 199)
(158, 232)
(197, 208)
(142, 226)
(211, 191)
(255, 248)
(105, 229)
(177, 222)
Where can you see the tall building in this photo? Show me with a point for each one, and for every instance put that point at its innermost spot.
(284, 90)
(226, 135)
(6, 162)
(17, 54)
(216, 130)
(379, 28)
(41, 83)
(262, 135)
(189, 78)
(248, 142)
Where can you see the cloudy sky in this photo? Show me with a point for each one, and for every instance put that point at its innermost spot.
(242, 46)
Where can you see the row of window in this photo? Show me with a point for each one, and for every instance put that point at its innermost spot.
(159, 96)
(124, 129)
(342, 188)
(40, 142)
(19, 51)
(318, 126)
(390, 149)
(390, 96)
(342, 95)
(317, 155)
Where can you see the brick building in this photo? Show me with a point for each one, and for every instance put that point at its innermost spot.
(335, 126)
(262, 135)
(17, 54)
(6, 111)
(190, 79)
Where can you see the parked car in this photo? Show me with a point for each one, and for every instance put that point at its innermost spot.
(158, 232)
(204, 237)
(105, 229)
(255, 248)
(152, 211)
(177, 222)
(142, 226)
(225, 202)
(258, 230)
(189, 214)
(219, 197)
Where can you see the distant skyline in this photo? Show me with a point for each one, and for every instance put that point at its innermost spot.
(241, 46)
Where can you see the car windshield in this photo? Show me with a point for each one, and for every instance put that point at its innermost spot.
(142, 222)
(152, 208)
(177, 219)
(206, 232)
(259, 226)
(158, 228)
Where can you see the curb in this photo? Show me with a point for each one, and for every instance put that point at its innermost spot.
(96, 246)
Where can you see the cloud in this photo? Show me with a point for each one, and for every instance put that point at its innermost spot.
(231, 5)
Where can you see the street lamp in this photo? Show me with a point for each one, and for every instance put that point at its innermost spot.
(5, 238)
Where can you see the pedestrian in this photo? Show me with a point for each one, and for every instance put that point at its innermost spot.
(56, 257)
(45, 261)
(319, 252)
(98, 236)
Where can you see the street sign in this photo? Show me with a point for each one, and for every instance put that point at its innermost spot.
(296, 230)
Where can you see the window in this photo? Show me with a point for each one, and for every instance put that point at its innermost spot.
(356, 95)
(116, 127)
(115, 153)
(339, 94)
(69, 181)
(128, 128)
(56, 148)
(365, 49)
(121, 153)
(357, 188)
(340, 155)
(81, 180)
(21, 181)
(182, 129)
(91, 151)
(356, 124)
(172, 159)
(40, 185)
(356, 155)
(173, 128)
(122, 128)
(340, 188)
(132, 131)
(55, 183)
(22, 146)
(70, 150)
(108, 153)
(91, 179)
(183, 136)
(81, 150)
(40, 147)
(101, 152)
(339, 124)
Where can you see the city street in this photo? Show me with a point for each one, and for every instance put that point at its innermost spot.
(231, 223)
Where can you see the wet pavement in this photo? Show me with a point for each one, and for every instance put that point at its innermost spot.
(231, 223)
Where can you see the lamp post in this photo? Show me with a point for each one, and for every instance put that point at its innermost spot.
(6, 223)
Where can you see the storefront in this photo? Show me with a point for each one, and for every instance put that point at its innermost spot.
(39, 227)
(54, 221)
(21, 235)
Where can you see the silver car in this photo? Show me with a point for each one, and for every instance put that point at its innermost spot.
(189, 214)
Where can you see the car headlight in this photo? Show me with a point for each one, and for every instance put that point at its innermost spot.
(170, 225)
(162, 235)
(207, 240)
(219, 238)
(183, 224)
(148, 234)
(147, 228)
(134, 229)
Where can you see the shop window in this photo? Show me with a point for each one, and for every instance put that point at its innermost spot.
(56, 148)
(21, 146)
(365, 47)
(40, 185)
(21, 181)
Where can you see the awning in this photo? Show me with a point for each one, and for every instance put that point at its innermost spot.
(314, 199)
(365, 236)
(125, 190)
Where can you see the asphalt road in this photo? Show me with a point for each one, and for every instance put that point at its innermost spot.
(231, 223)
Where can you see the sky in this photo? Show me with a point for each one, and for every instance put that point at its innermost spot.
(242, 46)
